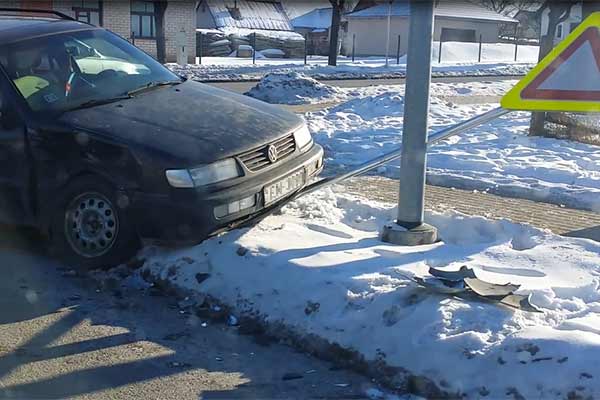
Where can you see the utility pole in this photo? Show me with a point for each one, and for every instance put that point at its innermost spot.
(409, 229)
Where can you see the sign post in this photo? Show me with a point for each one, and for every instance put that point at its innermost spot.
(409, 229)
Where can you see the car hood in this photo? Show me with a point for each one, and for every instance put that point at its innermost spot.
(190, 123)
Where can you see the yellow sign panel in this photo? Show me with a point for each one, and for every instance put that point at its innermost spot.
(568, 79)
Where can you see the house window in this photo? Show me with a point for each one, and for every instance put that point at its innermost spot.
(573, 26)
(143, 20)
(559, 31)
(88, 11)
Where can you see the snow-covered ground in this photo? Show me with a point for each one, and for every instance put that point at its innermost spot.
(499, 157)
(458, 59)
(320, 269)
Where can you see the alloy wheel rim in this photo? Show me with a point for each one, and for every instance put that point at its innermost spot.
(91, 225)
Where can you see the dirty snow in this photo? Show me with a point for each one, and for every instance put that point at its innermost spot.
(236, 69)
(293, 88)
(320, 268)
(499, 157)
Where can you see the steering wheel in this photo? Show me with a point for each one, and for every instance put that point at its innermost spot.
(75, 77)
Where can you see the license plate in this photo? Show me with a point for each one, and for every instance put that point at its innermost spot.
(284, 187)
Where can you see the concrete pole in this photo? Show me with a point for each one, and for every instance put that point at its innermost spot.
(410, 229)
(389, 28)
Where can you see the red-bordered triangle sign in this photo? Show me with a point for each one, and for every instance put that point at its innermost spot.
(568, 79)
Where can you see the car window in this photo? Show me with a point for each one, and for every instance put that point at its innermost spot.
(60, 72)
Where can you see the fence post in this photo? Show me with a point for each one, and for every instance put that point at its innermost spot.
(516, 41)
(398, 51)
(254, 48)
(201, 52)
(441, 47)
(306, 49)
(353, 45)
(480, 44)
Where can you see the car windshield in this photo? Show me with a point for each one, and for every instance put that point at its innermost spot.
(77, 69)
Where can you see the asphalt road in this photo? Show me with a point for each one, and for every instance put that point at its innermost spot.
(243, 87)
(69, 336)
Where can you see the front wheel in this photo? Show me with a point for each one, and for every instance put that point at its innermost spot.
(90, 230)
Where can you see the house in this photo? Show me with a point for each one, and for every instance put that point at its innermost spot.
(315, 27)
(133, 20)
(566, 27)
(455, 20)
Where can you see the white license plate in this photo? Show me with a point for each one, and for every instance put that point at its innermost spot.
(284, 187)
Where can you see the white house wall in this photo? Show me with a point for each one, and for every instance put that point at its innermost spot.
(371, 33)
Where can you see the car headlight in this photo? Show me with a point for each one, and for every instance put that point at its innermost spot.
(205, 175)
(303, 138)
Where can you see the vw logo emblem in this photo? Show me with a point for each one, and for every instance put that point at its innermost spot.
(273, 154)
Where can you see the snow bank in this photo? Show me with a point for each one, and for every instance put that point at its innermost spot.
(499, 157)
(320, 269)
(293, 88)
(234, 69)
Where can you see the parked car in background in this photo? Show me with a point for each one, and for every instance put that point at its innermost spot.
(101, 145)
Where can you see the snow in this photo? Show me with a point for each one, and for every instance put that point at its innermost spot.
(323, 251)
(293, 88)
(499, 157)
(460, 52)
(458, 59)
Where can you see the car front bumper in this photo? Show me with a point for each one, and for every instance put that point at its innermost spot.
(187, 216)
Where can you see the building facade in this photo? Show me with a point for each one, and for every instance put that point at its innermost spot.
(133, 20)
(454, 21)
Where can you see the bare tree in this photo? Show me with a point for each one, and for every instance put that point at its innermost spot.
(505, 6)
(558, 12)
(338, 7)
(160, 9)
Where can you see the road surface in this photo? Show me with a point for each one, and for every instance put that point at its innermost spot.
(67, 336)
(243, 87)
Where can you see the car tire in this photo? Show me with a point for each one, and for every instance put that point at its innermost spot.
(89, 230)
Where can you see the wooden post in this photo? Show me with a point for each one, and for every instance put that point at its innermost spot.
(398, 51)
(440, 55)
(480, 44)
(353, 45)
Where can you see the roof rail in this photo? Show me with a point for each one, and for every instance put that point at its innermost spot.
(29, 10)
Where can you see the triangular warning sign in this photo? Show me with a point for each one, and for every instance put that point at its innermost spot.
(568, 79)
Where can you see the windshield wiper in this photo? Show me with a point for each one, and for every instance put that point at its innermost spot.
(151, 85)
(97, 102)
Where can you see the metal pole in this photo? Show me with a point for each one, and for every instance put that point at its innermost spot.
(133, 38)
(516, 42)
(440, 52)
(480, 44)
(398, 51)
(353, 45)
(254, 48)
(416, 118)
(394, 155)
(387, 42)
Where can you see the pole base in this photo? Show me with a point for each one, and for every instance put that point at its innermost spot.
(423, 234)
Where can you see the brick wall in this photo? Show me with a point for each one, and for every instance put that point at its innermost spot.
(180, 15)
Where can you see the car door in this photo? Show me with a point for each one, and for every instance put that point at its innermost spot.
(14, 168)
